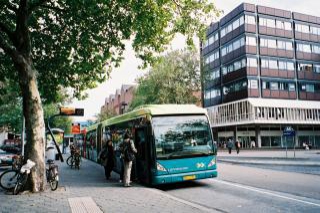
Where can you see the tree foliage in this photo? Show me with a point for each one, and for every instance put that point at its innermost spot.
(174, 78)
(74, 42)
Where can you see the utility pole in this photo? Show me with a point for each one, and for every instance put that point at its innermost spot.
(22, 135)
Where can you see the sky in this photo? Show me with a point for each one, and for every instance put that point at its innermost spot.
(128, 72)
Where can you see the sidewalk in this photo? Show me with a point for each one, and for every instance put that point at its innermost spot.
(272, 157)
(86, 190)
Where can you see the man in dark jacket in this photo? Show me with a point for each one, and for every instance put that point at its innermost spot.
(127, 148)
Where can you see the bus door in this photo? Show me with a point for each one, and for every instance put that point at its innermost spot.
(99, 139)
(142, 171)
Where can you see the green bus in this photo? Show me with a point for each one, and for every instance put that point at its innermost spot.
(174, 142)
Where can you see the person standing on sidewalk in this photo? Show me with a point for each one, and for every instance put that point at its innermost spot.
(106, 157)
(128, 151)
(238, 146)
(229, 145)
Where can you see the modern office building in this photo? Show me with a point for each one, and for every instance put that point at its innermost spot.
(262, 76)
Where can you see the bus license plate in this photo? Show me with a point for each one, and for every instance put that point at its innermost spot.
(189, 177)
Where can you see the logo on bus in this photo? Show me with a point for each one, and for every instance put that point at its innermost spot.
(178, 169)
(200, 165)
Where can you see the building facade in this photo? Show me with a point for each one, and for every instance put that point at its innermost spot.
(262, 75)
(119, 102)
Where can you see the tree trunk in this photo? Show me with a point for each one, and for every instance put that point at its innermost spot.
(35, 128)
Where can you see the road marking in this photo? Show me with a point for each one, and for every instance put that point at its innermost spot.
(194, 205)
(83, 205)
(262, 191)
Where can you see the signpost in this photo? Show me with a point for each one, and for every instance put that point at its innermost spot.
(289, 132)
(64, 111)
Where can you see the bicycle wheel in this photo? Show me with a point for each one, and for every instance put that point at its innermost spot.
(22, 179)
(8, 179)
(54, 183)
(69, 160)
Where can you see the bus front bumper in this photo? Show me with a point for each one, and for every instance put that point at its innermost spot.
(180, 177)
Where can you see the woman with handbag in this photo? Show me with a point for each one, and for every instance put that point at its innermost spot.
(106, 157)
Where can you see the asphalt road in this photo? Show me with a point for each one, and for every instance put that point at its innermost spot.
(248, 189)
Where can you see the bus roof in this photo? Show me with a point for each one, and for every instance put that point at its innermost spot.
(154, 110)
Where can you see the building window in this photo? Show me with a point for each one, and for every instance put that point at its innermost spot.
(285, 65)
(237, 65)
(280, 24)
(236, 24)
(224, 70)
(215, 74)
(304, 67)
(316, 49)
(302, 28)
(271, 23)
(292, 87)
(274, 86)
(290, 66)
(304, 47)
(252, 62)
(287, 26)
(263, 42)
(309, 87)
(253, 84)
(230, 68)
(273, 64)
(305, 28)
(265, 85)
(272, 43)
(251, 41)
(262, 22)
(314, 30)
(316, 68)
(223, 51)
(264, 63)
(288, 45)
(250, 19)
(223, 32)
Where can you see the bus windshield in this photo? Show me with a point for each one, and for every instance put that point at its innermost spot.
(182, 136)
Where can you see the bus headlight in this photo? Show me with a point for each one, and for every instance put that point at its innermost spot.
(160, 167)
(212, 162)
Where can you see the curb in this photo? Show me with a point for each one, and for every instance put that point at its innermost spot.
(270, 163)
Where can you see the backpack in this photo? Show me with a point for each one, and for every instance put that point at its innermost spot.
(127, 152)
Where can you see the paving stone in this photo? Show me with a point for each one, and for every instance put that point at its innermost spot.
(89, 181)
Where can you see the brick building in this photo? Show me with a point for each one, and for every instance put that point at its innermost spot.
(118, 103)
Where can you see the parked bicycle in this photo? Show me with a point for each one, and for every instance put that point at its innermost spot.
(23, 176)
(8, 179)
(74, 160)
(52, 175)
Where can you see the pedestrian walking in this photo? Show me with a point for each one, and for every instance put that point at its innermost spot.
(128, 150)
(106, 157)
(229, 145)
(237, 146)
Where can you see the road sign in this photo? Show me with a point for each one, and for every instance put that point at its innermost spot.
(289, 131)
(70, 111)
